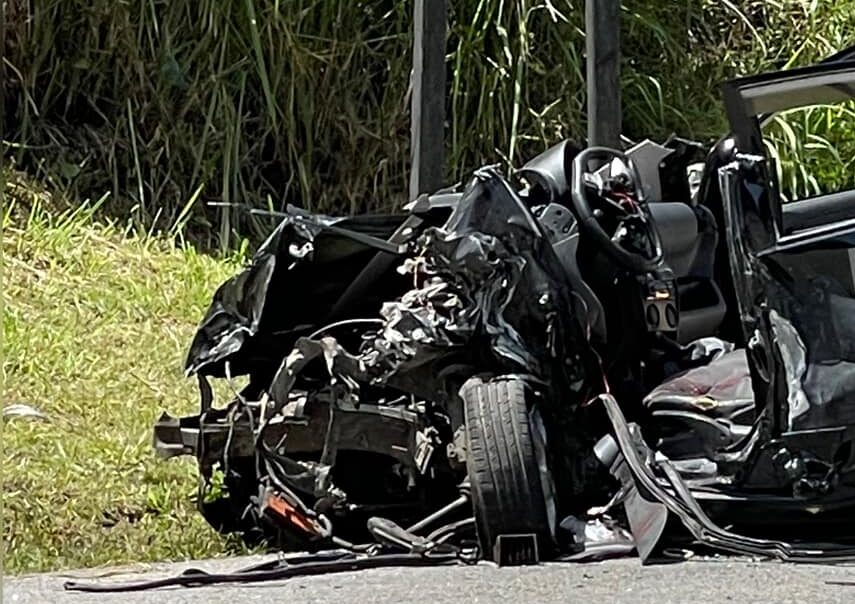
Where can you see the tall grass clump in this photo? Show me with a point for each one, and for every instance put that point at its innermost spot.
(96, 319)
(171, 104)
(814, 149)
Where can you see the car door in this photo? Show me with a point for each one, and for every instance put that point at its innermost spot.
(791, 244)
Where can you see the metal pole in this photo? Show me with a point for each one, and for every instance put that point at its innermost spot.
(602, 42)
(3, 86)
(428, 100)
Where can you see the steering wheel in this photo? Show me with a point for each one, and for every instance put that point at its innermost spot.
(632, 217)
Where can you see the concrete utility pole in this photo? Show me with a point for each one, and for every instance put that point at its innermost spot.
(428, 100)
(602, 42)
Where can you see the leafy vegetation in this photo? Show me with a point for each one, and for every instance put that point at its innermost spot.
(170, 104)
(814, 149)
(97, 319)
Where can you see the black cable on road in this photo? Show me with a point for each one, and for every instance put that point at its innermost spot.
(196, 578)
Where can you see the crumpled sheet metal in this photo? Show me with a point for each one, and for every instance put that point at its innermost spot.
(794, 356)
(293, 284)
(487, 274)
(490, 275)
(486, 280)
(424, 316)
(513, 290)
(811, 317)
(340, 364)
(238, 304)
(468, 282)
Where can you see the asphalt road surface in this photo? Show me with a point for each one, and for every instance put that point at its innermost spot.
(696, 581)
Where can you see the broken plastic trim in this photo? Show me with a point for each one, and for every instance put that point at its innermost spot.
(680, 501)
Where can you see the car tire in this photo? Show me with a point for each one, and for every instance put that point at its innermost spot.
(501, 461)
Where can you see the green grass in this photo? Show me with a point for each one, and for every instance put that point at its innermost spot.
(306, 101)
(96, 324)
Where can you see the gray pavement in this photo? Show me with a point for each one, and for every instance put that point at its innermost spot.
(625, 581)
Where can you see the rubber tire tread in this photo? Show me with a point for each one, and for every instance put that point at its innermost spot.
(505, 480)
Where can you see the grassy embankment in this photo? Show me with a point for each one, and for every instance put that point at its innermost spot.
(97, 320)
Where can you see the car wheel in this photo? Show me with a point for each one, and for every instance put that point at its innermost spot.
(506, 491)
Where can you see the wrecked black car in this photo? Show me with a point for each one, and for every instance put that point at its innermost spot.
(639, 349)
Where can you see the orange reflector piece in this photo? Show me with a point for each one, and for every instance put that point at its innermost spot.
(282, 510)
